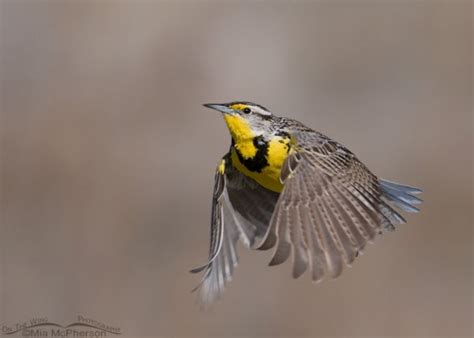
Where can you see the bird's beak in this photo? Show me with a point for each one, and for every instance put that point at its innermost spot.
(219, 107)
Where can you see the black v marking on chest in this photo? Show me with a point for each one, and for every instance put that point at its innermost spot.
(258, 162)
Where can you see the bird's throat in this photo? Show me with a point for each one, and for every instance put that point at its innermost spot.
(242, 135)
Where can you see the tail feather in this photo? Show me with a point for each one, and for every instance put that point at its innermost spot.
(401, 187)
(404, 196)
(401, 195)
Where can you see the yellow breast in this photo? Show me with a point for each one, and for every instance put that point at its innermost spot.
(269, 176)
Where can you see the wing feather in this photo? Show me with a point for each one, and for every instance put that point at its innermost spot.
(223, 257)
(241, 209)
(331, 206)
(283, 249)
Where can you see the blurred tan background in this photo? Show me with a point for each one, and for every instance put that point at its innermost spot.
(107, 159)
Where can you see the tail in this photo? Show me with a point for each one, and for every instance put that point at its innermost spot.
(401, 195)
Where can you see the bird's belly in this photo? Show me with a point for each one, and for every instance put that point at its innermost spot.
(268, 173)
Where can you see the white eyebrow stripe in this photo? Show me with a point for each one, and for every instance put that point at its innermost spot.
(260, 111)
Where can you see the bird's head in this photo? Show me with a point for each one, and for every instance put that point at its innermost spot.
(245, 120)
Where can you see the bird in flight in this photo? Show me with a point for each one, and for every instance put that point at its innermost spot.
(285, 186)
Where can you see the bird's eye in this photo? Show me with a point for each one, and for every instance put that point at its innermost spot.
(247, 110)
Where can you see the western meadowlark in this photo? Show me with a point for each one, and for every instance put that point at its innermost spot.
(287, 186)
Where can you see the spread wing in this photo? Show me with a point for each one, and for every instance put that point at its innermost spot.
(241, 209)
(331, 206)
